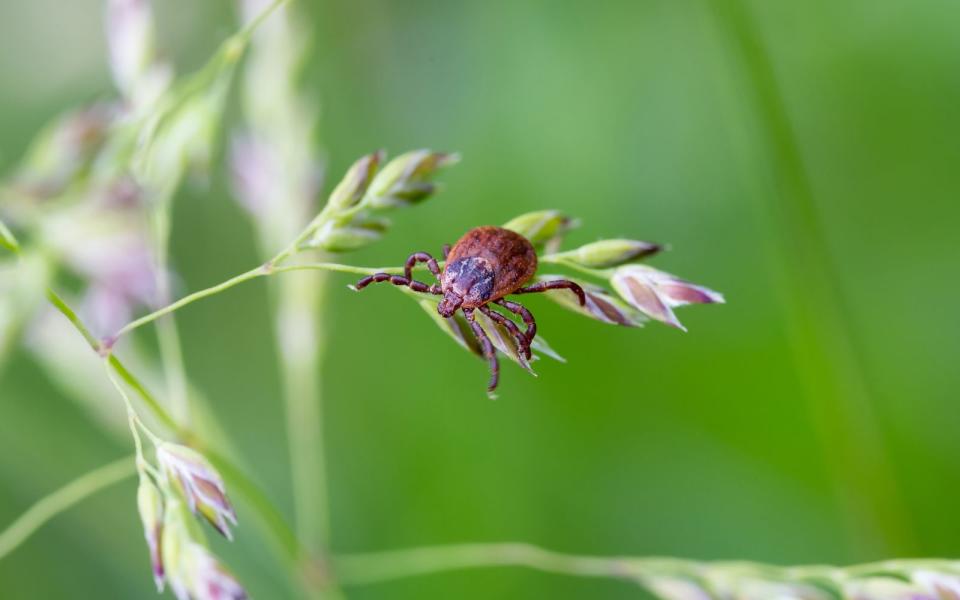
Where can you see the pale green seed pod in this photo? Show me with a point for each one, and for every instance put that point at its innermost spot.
(352, 188)
(539, 344)
(611, 253)
(676, 588)
(191, 570)
(886, 588)
(342, 238)
(456, 327)
(503, 341)
(181, 140)
(543, 227)
(760, 589)
(7, 239)
(176, 539)
(150, 507)
(60, 153)
(406, 179)
(345, 239)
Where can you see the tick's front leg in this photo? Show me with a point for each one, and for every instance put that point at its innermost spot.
(421, 257)
(414, 285)
(555, 284)
(488, 351)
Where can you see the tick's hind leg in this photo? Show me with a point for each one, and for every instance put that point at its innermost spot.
(421, 257)
(488, 350)
(555, 284)
(523, 344)
(414, 285)
(519, 309)
(446, 251)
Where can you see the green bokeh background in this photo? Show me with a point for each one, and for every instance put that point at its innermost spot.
(801, 157)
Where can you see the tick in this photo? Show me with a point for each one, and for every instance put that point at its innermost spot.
(483, 267)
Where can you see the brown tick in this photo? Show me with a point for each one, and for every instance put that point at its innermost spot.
(485, 265)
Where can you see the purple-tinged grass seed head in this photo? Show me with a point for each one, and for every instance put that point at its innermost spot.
(600, 304)
(943, 586)
(200, 484)
(191, 570)
(253, 169)
(209, 579)
(656, 293)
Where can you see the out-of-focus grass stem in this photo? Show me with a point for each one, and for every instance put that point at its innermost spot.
(810, 581)
(247, 276)
(819, 326)
(171, 353)
(301, 343)
(63, 499)
(283, 131)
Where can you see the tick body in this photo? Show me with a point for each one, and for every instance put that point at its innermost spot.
(484, 266)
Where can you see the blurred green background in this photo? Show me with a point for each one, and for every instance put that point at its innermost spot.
(801, 157)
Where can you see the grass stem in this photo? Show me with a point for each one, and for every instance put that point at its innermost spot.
(62, 500)
(379, 567)
(823, 341)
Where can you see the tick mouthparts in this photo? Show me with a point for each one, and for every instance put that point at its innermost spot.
(449, 305)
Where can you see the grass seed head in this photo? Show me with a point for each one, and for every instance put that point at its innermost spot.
(407, 179)
(201, 485)
(612, 253)
(150, 507)
(544, 228)
(656, 293)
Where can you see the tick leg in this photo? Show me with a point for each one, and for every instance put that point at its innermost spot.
(421, 257)
(555, 284)
(488, 350)
(519, 309)
(414, 285)
(446, 251)
(523, 344)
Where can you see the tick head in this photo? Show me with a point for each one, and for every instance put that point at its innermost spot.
(467, 281)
